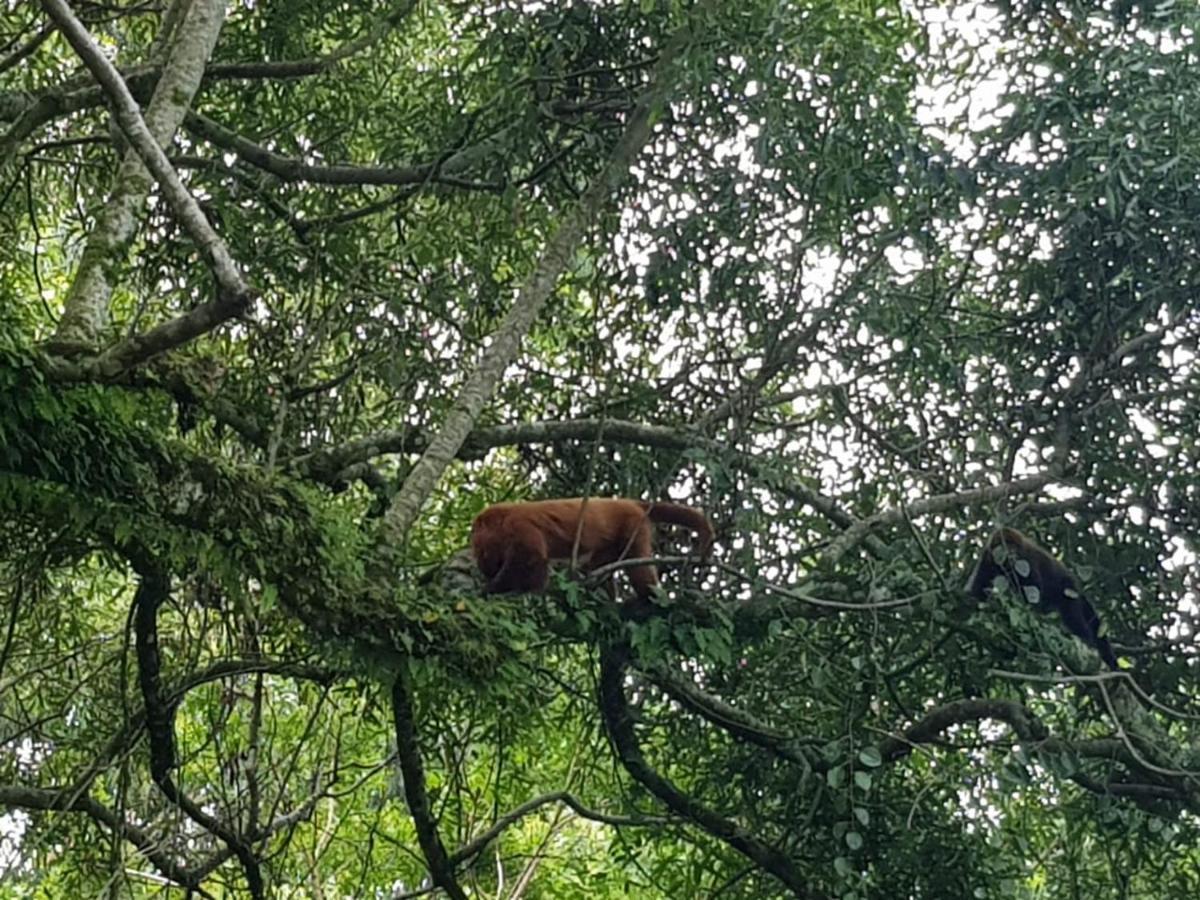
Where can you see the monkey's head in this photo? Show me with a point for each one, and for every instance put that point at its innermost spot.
(489, 555)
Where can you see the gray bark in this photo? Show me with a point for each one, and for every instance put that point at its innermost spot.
(531, 297)
(86, 310)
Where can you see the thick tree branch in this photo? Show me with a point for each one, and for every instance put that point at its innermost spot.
(233, 293)
(153, 589)
(123, 356)
(619, 722)
(1031, 731)
(326, 463)
(441, 868)
(959, 712)
(86, 312)
(76, 799)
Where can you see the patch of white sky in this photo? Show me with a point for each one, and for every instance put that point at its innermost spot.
(953, 109)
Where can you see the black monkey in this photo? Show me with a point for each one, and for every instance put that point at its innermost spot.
(1026, 565)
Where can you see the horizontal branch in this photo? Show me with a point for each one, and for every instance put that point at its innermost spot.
(325, 463)
(287, 168)
(935, 504)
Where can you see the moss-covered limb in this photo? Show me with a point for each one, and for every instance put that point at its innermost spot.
(79, 460)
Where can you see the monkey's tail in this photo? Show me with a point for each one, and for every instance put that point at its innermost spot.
(1104, 648)
(678, 514)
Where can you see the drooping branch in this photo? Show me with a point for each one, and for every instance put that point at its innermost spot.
(153, 589)
(480, 843)
(77, 799)
(619, 722)
(531, 297)
(17, 56)
(86, 309)
(1033, 732)
(739, 724)
(233, 293)
(441, 868)
(959, 712)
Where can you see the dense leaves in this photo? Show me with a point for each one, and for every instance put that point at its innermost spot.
(882, 277)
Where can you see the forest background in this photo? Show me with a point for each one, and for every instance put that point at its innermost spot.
(291, 289)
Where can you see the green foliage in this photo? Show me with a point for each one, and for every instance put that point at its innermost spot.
(871, 262)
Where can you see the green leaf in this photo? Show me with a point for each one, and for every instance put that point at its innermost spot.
(870, 756)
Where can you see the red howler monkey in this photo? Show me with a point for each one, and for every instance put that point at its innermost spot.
(514, 543)
(1025, 564)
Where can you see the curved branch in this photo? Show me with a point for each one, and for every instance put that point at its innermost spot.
(408, 750)
(960, 712)
(69, 97)
(937, 503)
(1029, 729)
(619, 722)
(70, 800)
(287, 168)
(152, 591)
(17, 56)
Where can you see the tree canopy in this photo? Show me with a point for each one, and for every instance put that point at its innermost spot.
(290, 290)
